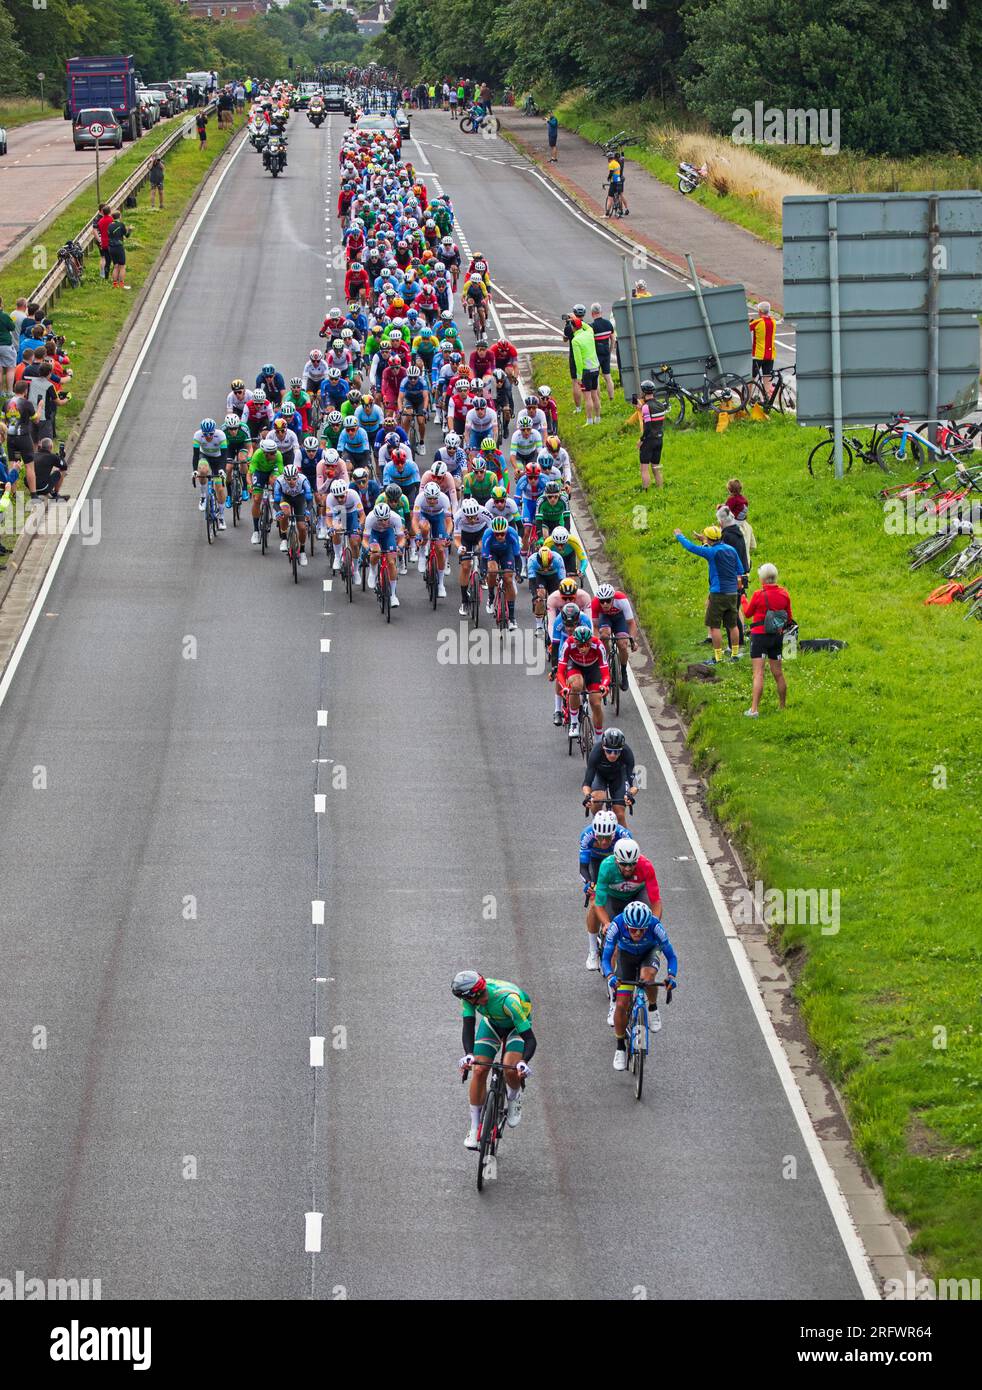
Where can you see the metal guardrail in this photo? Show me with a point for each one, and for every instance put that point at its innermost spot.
(48, 289)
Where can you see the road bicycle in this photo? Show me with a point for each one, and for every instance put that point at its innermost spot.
(780, 397)
(498, 603)
(613, 694)
(639, 1029)
(293, 546)
(615, 201)
(383, 588)
(924, 552)
(890, 444)
(72, 257)
(949, 434)
(265, 517)
(722, 392)
(478, 121)
(962, 564)
(347, 568)
(431, 575)
(474, 587)
(494, 1117)
(616, 143)
(583, 737)
(235, 488)
(607, 804)
(212, 511)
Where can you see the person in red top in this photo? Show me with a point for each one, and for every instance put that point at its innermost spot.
(391, 379)
(735, 499)
(356, 282)
(332, 325)
(102, 224)
(762, 328)
(769, 598)
(505, 356)
(583, 666)
(481, 360)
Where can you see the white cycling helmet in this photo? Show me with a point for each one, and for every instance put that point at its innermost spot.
(627, 852)
(231, 422)
(291, 471)
(432, 491)
(605, 824)
(470, 507)
(451, 440)
(439, 469)
(269, 445)
(383, 512)
(605, 593)
(560, 535)
(339, 488)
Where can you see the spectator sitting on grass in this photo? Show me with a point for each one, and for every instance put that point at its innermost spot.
(725, 568)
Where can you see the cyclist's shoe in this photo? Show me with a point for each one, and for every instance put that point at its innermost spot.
(336, 563)
(463, 610)
(512, 625)
(539, 625)
(574, 725)
(421, 562)
(284, 547)
(395, 601)
(592, 960)
(255, 538)
(421, 451)
(620, 1059)
(472, 1141)
(228, 504)
(515, 1111)
(221, 524)
(321, 531)
(623, 677)
(610, 1014)
(654, 1020)
(489, 609)
(201, 503)
(441, 590)
(372, 576)
(303, 557)
(557, 718)
(245, 494)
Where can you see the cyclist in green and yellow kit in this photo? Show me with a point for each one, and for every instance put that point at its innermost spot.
(505, 1022)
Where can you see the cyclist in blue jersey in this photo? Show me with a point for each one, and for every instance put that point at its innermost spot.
(639, 939)
(353, 444)
(400, 469)
(334, 390)
(501, 551)
(597, 840)
(414, 399)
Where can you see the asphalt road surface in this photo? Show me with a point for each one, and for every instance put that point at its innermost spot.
(159, 757)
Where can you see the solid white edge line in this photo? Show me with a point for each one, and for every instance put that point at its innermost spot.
(855, 1252)
(83, 493)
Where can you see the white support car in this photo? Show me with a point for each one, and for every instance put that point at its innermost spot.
(3, 140)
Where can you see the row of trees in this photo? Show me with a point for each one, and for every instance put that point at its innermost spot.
(165, 40)
(902, 74)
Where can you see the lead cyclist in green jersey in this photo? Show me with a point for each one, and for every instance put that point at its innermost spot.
(505, 1021)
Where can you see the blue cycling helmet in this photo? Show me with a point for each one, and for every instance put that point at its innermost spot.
(208, 427)
(637, 915)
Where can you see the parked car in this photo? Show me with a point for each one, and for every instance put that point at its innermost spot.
(149, 106)
(3, 140)
(112, 131)
(169, 101)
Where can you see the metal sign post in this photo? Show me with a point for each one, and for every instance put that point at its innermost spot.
(97, 130)
(41, 80)
(632, 332)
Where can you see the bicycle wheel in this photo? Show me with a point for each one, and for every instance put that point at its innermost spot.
(727, 393)
(785, 402)
(941, 544)
(586, 731)
(295, 558)
(615, 677)
(637, 1057)
(466, 124)
(211, 526)
(675, 409)
(265, 521)
(889, 457)
(347, 574)
(474, 598)
(433, 579)
(235, 494)
(489, 1123)
(822, 457)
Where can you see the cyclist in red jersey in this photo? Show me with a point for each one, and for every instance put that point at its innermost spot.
(583, 667)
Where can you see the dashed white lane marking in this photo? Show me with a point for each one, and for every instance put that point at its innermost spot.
(321, 718)
(325, 644)
(316, 1052)
(317, 913)
(320, 803)
(328, 585)
(313, 1220)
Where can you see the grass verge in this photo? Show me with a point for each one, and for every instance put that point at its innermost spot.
(15, 111)
(866, 785)
(93, 316)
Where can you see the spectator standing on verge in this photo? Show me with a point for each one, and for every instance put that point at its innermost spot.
(102, 223)
(603, 336)
(201, 121)
(568, 330)
(552, 132)
(587, 368)
(651, 417)
(8, 350)
(724, 579)
(118, 232)
(156, 181)
(20, 417)
(769, 613)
